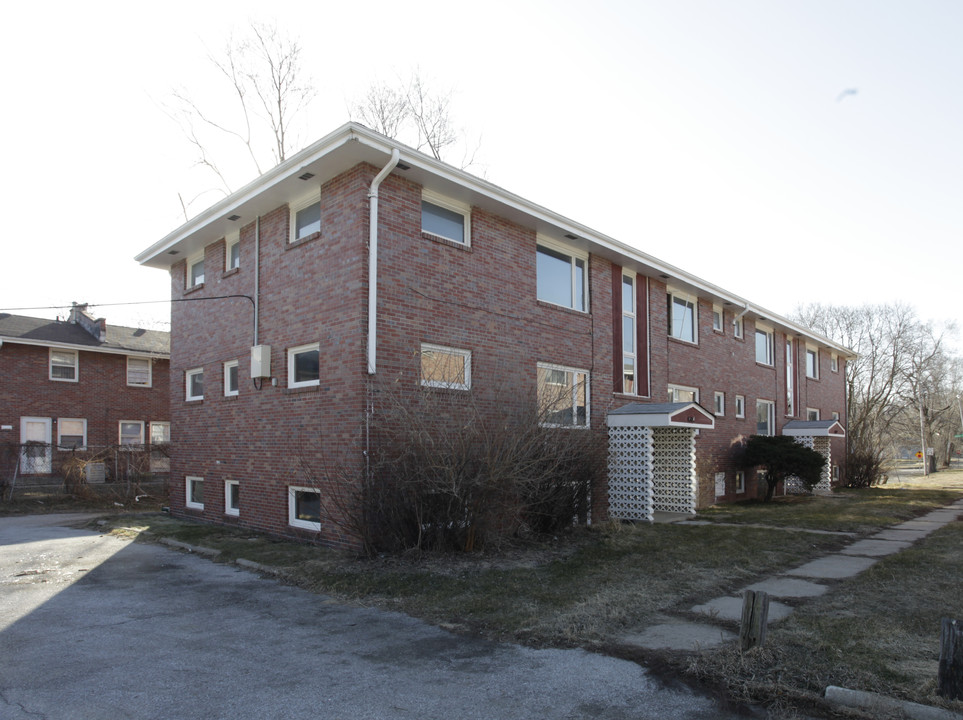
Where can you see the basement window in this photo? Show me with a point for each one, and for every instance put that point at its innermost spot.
(304, 508)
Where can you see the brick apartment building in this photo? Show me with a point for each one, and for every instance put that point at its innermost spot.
(361, 263)
(79, 385)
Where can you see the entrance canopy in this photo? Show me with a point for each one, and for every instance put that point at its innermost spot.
(680, 415)
(814, 428)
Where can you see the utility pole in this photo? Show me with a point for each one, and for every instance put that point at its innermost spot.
(926, 470)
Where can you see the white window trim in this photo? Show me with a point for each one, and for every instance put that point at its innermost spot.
(165, 423)
(456, 352)
(297, 206)
(76, 365)
(719, 403)
(812, 411)
(737, 328)
(689, 298)
(293, 520)
(834, 362)
(771, 415)
(588, 394)
(632, 314)
(575, 254)
(227, 387)
(835, 415)
(722, 318)
(150, 372)
(120, 432)
(228, 510)
(187, 384)
(295, 351)
(740, 402)
(683, 388)
(455, 206)
(187, 492)
(60, 422)
(815, 352)
(740, 483)
(192, 260)
(772, 345)
(230, 241)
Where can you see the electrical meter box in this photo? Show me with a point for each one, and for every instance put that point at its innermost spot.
(261, 361)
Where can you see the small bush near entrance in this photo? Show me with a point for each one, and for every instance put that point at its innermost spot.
(783, 458)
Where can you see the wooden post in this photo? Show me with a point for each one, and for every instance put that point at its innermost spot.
(949, 683)
(755, 615)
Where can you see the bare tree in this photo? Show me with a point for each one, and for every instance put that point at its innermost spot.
(264, 73)
(898, 356)
(418, 114)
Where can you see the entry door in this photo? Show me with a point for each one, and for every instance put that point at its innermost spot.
(36, 453)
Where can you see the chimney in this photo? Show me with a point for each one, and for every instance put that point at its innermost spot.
(96, 327)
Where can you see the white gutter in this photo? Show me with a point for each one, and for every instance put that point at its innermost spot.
(373, 261)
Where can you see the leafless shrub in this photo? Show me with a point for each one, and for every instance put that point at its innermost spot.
(447, 472)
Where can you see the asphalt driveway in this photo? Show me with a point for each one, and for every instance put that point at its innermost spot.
(92, 626)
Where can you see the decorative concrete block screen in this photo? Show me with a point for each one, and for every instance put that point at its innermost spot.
(674, 470)
(823, 447)
(630, 473)
(651, 469)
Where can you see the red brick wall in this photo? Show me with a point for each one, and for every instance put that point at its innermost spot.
(271, 437)
(100, 395)
(480, 297)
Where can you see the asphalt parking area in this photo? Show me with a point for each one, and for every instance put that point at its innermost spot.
(93, 626)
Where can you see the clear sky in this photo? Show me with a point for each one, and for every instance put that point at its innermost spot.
(790, 152)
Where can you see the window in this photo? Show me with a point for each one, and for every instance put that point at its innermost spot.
(834, 415)
(628, 335)
(812, 414)
(231, 387)
(445, 218)
(834, 362)
(232, 497)
(160, 433)
(195, 270)
(812, 363)
(71, 434)
(740, 482)
(131, 433)
(303, 368)
(683, 317)
(138, 372)
(305, 216)
(232, 251)
(561, 276)
(765, 417)
(194, 492)
(563, 396)
(63, 365)
(720, 403)
(304, 508)
(717, 316)
(194, 380)
(737, 328)
(790, 378)
(445, 367)
(764, 346)
(740, 406)
(681, 394)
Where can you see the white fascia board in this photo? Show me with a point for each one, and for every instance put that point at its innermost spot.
(87, 348)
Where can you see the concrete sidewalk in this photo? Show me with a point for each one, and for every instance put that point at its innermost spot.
(798, 583)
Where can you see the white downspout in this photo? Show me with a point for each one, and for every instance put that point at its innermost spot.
(373, 261)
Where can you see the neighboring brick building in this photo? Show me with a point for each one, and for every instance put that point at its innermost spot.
(79, 386)
(514, 297)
